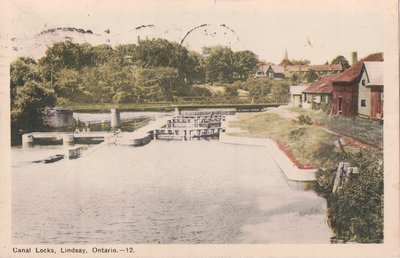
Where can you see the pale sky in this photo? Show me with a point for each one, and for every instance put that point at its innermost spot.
(307, 29)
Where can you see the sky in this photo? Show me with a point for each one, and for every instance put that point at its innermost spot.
(307, 29)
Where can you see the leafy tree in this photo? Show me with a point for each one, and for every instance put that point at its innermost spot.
(28, 105)
(67, 87)
(231, 90)
(101, 84)
(219, 64)
(96, 84)
(162, 53)
(341, 60)
(196, 70)
(245, 63)
(22, 70)
(294, 62)
(280, 90)
(102, 54)
(62, 55)
(200, 92)
(310, 76)
(123, 55)
(257, 88)
(161, 83)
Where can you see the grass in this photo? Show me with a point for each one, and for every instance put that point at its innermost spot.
(304, 141)
(360, 129)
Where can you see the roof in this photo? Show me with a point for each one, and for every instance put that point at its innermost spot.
(323, 85)
(297, 89)
(354, 71)
(318, 68)
(297, 68)
(262, 67)
(331, 67)
(277, 68)
(374, 72)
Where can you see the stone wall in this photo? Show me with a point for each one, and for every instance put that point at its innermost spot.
(58, 117)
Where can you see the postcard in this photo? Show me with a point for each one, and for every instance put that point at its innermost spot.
(213, 128)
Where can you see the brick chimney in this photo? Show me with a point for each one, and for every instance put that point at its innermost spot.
(353, 57)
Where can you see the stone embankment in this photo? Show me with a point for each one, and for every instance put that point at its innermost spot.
(287, 166)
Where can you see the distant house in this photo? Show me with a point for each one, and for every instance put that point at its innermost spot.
(296, 95)
(320, 70)
(261, 70)
(319, 94)
(346, 87)
(275, 72)
(370, 90)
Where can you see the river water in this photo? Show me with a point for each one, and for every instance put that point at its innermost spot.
(164, 192)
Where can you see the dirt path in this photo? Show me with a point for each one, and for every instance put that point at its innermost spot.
(284, 112)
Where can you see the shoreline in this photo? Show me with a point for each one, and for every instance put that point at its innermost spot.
(286, 165)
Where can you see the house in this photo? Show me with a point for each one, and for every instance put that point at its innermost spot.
(296, 95)
(275, 72)
(320, 70)
(346, 86)
(370, 90)
(319, 94)
(261, 70)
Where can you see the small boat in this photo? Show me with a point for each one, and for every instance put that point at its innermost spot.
(54, 158)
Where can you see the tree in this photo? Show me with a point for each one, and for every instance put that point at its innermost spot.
(341, 60)
(257, 88)
(231, 90)
(280, 91)
(219, 64)
(28, 105)
(102, 54)
(22, 70)
(245, 63)
(310, 76)
(67, 87)
(295, 62)
(156, 84)
(162, 53)
(123, 55)
(196, 70)
(62, 55)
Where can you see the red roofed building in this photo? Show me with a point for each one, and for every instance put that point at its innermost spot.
(345, 87)
(319, 94)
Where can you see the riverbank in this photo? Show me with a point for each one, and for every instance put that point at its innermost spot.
(356, 209)
(291, 171)
(300, 136)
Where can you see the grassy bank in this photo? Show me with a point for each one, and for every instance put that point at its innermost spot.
(361, 129)
(301, 139)
(355, 212)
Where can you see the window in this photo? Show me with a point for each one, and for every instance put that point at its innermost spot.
(363, 104)
(363, 82)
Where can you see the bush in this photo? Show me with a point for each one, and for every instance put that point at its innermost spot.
(357, 208)
(304, 120)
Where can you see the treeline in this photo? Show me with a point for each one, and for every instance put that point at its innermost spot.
(153, 70)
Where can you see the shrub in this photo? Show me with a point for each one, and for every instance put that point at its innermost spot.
(357, 209)
(304, 120)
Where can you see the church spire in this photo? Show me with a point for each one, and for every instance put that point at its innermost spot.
(286, 56)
